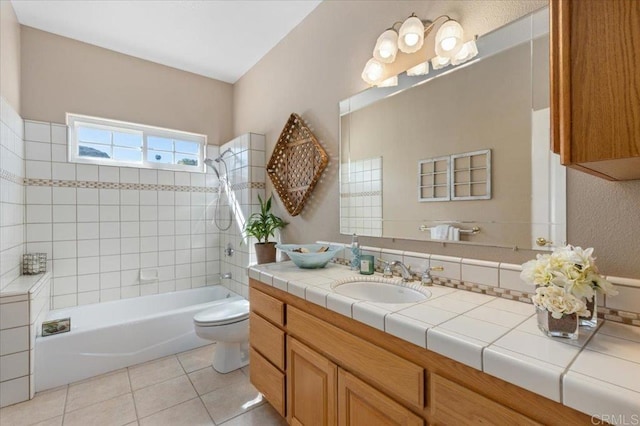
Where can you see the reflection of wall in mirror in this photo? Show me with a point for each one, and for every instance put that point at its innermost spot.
(484, 106)
(361, 197)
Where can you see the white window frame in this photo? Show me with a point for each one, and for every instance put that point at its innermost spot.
(76, 120)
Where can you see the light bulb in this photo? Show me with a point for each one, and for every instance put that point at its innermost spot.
(449, 39)
(411, 39)
(390, 82)
(411, 35)
(373, 71)
(386, 47)
(469, 50)
(420, 69)
(439, 62)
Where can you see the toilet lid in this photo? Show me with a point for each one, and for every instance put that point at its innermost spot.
(225, 313)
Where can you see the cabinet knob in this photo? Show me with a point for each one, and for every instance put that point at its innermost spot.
(543, 242)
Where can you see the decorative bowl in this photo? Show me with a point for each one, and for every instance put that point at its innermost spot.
(310, 257)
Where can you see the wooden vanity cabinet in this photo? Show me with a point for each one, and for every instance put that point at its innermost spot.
(339, 371)
(595, 86)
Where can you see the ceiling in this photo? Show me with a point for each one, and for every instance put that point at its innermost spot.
(217, 39)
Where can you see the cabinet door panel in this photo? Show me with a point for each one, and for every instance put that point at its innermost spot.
(453, 404)
(361, 405)
(311, 386)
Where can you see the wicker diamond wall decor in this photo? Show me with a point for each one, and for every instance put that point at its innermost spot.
(296, 164)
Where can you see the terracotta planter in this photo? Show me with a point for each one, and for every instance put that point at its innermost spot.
(265, 252)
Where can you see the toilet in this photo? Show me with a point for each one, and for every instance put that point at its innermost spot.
(228, 325)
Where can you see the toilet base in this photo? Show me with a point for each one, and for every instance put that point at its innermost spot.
(230, 356)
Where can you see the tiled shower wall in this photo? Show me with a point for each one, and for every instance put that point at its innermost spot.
(361, 197)
(11, 193)
(247, 175)
(116, 232)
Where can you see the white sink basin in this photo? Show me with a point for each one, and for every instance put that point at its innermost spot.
(382, 291)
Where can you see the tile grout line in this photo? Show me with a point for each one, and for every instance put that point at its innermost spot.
(135, 406)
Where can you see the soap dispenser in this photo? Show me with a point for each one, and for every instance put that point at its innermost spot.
(355, 253)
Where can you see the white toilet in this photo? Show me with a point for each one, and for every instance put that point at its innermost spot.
(228, 325)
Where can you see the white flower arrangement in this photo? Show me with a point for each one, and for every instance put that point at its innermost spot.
(564, 278)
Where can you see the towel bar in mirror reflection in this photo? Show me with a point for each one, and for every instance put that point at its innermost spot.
(472, 231)
(498, 101)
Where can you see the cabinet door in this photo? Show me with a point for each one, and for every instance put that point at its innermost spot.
(595, 89)
(361, 405)
(452, 404)
(311, 386)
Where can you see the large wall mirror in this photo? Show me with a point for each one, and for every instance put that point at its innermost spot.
(461, 154)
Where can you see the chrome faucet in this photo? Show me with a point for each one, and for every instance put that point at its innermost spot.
(426, 278)
(406, 273)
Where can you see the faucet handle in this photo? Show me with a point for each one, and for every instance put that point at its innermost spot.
(386, 272)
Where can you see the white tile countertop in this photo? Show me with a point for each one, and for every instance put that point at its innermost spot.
(598, 374)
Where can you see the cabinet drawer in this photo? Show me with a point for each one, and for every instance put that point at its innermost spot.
(361, 405)
(267, 306)
(454, 404)
(396, 376)
(267, 339)
(268, 380)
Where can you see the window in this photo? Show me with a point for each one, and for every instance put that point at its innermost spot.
(117, 143)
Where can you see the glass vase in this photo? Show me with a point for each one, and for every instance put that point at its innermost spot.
(592, 320)
(565, 327)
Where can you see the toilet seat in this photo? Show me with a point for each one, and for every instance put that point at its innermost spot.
(227, 313)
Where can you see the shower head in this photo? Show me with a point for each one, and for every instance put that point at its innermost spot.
(221, 156)
(209, 162)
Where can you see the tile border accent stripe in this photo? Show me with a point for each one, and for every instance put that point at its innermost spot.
(7, 175)
(132, 186)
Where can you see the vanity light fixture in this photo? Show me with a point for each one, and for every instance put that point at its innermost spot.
(400, 49)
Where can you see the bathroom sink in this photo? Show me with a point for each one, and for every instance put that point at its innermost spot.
(381, 291)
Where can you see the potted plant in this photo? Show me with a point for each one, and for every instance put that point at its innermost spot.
(262, 225)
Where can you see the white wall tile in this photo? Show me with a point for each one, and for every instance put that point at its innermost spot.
(64, 249)
(38, 195)
(88, 213)
(63, 171)
(479, 274)
(87, 172)
(109, 196)
(59, 153)
(64, 195)
(14, 340)
(38, 169)
(148, 176)
(88, 265)
(109, 174)
(110, 213)
(87, 195)
(37, 151)
(14, 366)
(59, 134)
(165, 177)
(89, 283)
(64, 231)
(64, 213)
(628, 299)
(38, 214)
(14, 391)
(88, 231)
(37, 131)
(14, 315)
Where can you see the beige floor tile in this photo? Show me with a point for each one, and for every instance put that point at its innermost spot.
(208, 379)
(97, 389)
(117, 411)
(44, 406)
(153, 372)
(230, 401)
(197, 359)
(264, 415)
(56, 421)
(246, 370)
(163, 395)
(190, 413)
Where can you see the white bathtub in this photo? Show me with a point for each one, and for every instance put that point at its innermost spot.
(112, 335)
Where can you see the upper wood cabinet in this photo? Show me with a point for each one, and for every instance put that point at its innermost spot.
(595, 86)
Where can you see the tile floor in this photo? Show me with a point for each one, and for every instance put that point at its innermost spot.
(179, 390)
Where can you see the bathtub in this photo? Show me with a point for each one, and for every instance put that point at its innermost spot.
(112, 335)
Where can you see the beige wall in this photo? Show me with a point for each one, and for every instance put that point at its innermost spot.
(319, 63)
(61, 75)
(9, 55)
